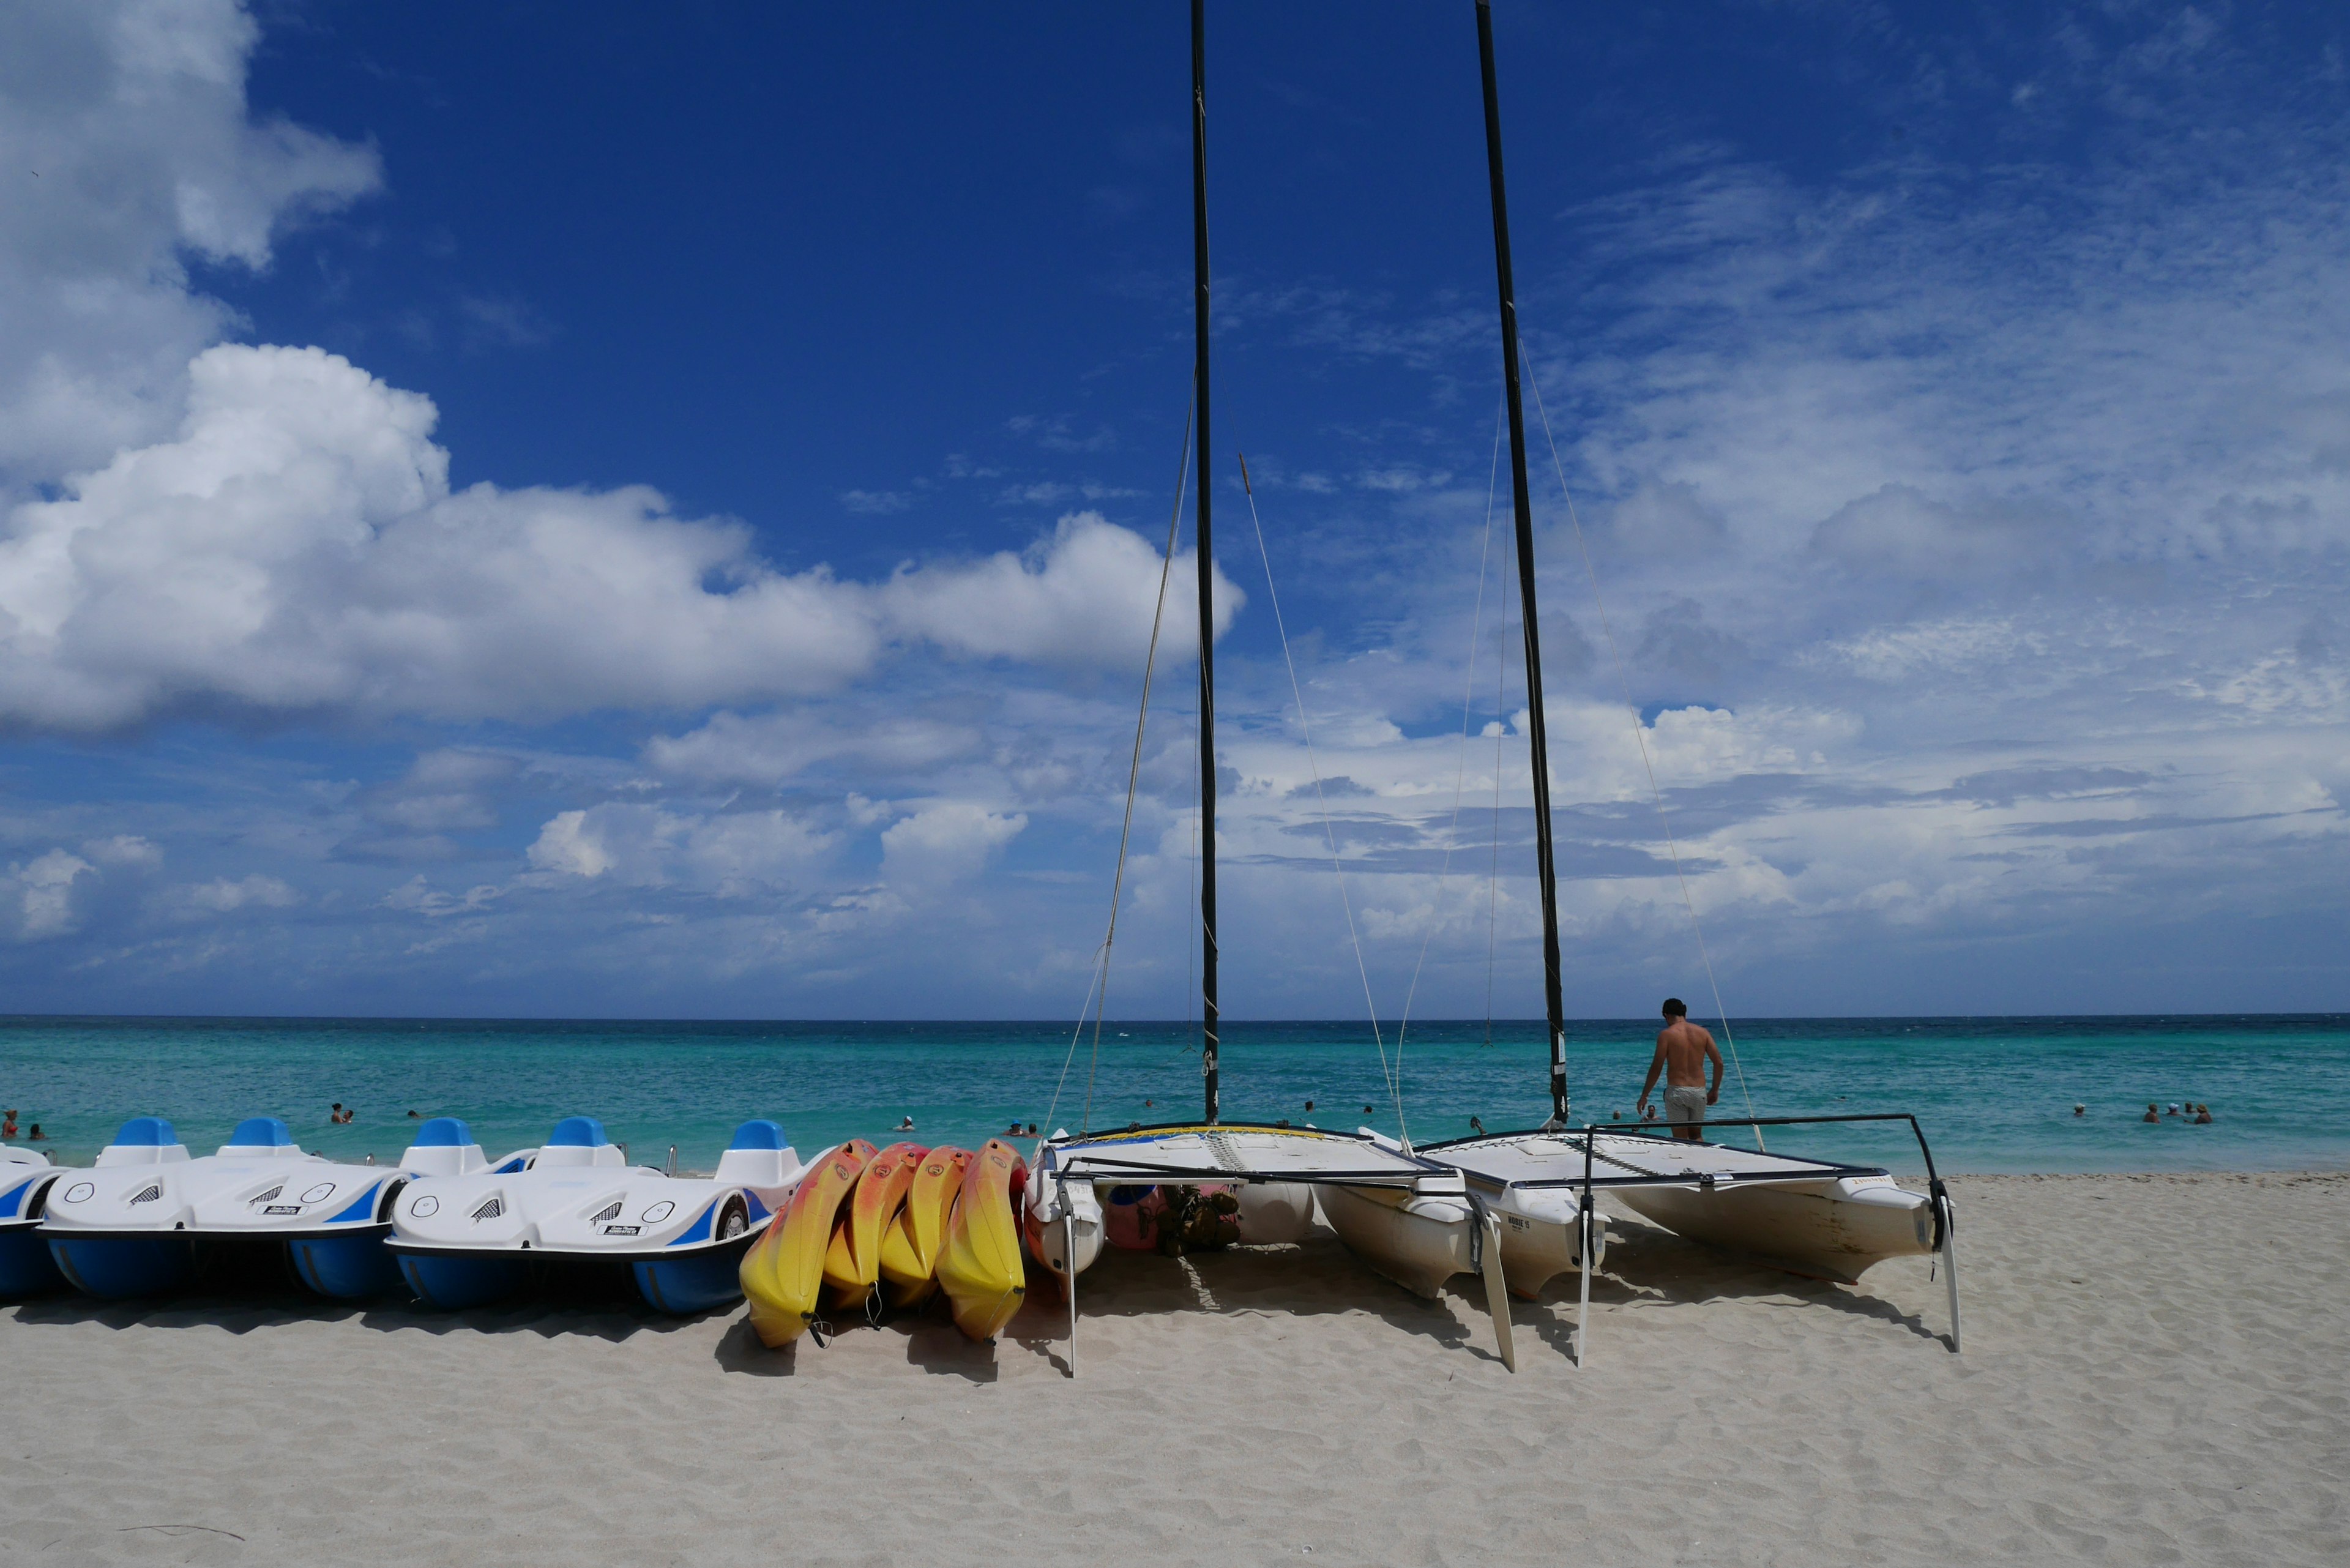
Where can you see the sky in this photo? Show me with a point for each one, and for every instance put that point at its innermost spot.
(658, 512)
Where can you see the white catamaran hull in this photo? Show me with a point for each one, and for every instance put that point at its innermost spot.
(1833, 1230)
(1540, 1241)
(1417, 1239)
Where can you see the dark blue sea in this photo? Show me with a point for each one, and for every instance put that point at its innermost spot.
(1992, 1094)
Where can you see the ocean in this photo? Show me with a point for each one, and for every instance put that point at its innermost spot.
(1990, 1094)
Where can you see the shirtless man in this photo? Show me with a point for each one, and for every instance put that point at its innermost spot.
(1682, 1051)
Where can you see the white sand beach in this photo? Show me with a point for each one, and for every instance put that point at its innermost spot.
(2154, 1373)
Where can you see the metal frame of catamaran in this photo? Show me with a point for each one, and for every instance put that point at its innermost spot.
(1712, 1171)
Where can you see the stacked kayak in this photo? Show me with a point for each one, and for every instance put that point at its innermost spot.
(782, 1275)
(981, 1267)
(910, 1248)
(574, 1206)
(875, 1229)
(146, 1218)
(852, 1262)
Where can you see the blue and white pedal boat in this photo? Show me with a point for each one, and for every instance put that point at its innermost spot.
(575, 1205)
(25, 1267)
(147, 1219)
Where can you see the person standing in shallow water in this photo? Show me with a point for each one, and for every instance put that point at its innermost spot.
(1682, 1051)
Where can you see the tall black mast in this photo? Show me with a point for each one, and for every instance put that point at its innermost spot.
(1533, 622)
(1203, 445)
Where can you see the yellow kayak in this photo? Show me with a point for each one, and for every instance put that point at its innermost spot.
(852, 1263)
(910, 1247)
(981, 1266)
(783, 1273)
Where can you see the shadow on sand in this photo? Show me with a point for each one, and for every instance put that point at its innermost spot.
(257, 1299)
(1646, 1264)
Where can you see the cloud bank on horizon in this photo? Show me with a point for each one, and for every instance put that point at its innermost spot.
(1972, 534)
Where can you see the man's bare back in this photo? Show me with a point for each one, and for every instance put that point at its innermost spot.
(1683, 1049)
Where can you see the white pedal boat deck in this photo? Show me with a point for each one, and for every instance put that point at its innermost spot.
(467, 1238)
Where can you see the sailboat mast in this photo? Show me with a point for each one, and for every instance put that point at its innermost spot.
(1203, 445)
(1540, 738)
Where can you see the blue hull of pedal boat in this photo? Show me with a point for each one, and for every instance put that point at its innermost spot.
(119, 1267)
(345, 1268)
(454, 1282)
(25, 1267)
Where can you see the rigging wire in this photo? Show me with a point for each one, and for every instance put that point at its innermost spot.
(1329, 832)
(1098, 993)
(1501, 748)
(1461, 768)
(1639, 735)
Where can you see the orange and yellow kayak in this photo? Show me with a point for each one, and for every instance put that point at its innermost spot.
(852, 1263)
(981, 1266)
(783, 1273)
(910, 1247)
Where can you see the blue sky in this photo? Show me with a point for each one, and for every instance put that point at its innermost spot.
(607, 510)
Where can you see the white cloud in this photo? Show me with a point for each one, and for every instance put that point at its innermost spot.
(298, 547)
(566, 844)
(271, 528)
(731, 854)
(948, 842)
(43, 891)
(223, 896)
(1085, 594)
(124, 849)
(769, 747)
(124, 128)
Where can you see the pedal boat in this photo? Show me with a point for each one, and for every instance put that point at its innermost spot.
(146, 1219)
(25, 1267)
(573, 1207)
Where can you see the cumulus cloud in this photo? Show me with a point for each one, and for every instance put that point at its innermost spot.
(298, 547)
(769, 747)
(731, 854)
(1083, 595)
(223, 896)
(123, 124)
(948, 842)
(42, 891)
(187, 524)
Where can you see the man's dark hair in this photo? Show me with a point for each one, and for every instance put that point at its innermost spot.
(1674, 1008)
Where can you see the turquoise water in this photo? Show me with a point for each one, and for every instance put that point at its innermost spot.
(1990, 1094)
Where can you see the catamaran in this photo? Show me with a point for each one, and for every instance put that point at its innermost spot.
(1520, 1207)
(1412, 1220)
(1814, 1217)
